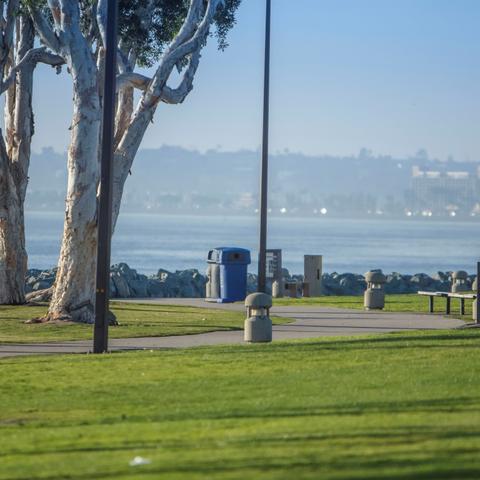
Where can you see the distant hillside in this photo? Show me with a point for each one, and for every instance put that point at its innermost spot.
(172, 178)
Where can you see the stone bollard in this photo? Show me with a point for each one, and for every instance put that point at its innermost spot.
(374, 298)
(208, 285)
(258, 326)
(459, 281)
(475, 301)
(277, 290)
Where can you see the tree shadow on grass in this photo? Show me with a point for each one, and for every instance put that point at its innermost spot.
(247, 413)
(174, 309)
(390, 341)
(439, 405)
(344, 466)
(391, 436)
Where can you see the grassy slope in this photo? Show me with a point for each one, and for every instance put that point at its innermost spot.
(136, 320)
(392, 406)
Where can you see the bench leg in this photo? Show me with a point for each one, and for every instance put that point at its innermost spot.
(448, 306)
(462, 306)
(430, 304)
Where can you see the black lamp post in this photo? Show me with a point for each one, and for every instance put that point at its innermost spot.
(262, 257)
(100, 332)
(477, 299)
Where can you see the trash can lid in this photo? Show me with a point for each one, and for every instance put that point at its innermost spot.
(258, 300)
(460, 275)
(225, 255)
(375, 276)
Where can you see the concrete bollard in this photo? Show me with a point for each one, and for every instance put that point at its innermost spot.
(258, 326)
(313, 274)
(277, 290)
(475, 301)
(374, 298)
(208, 286)
(459, 281)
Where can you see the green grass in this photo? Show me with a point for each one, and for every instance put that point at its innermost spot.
(395, 406)
(393, 303)
(144, 320)
(136, 320)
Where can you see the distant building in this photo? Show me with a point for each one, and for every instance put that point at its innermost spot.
(441, 192)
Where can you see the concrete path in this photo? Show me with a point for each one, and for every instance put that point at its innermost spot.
(310, 321)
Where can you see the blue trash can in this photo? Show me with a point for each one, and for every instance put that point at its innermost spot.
(232, 272)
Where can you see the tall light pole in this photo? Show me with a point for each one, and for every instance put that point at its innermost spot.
(477, 299)
(262, 256)
(100, 331)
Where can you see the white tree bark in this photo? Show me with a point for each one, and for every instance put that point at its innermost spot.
(73, 296)
(187, 44)
(14, 163)
(18, 59)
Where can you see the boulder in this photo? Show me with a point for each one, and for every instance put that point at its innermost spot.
(397, 283)
(155, 288)
(121, 286)
(125, 282)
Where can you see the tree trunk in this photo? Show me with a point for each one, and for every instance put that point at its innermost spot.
(125, 155)
(74, 290)
(73, 296)
(14, 173)
(13, 258)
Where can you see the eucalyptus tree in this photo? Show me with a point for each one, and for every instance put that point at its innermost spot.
(18, 59)
(165, 35)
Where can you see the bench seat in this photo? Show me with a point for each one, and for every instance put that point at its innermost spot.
(448, 296)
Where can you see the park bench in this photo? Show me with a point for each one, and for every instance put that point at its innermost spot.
(448, 296)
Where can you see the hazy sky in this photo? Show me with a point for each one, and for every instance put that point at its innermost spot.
(389, 75)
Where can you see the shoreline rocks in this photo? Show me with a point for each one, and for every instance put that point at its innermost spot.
(126, 282)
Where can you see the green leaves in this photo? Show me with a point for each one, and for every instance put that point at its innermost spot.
(167, 17)
(148, 39)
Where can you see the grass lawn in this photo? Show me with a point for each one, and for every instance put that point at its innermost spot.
(395, 406)
(136, 320)
(146, 320)
(393, 303)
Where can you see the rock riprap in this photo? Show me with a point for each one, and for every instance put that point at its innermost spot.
(126, 282)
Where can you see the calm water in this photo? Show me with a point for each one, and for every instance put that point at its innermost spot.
(149, 242)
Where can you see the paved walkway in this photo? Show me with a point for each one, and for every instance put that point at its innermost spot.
(310, 321)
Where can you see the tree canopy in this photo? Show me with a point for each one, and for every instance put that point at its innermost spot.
(148, 40)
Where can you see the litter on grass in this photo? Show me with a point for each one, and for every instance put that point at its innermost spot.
(135, 462)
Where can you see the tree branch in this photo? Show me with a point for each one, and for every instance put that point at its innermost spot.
(56, 10)
(175, 54)
(101, 18)
(132, 79)
(190, 23)
(44, 30)
(178, 95)
(157, 90)
(6, 33)
(49, 58)
(36, 55)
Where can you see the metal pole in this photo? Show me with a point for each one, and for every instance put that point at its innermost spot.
(100, 332)
(262, 256)
(477, 300)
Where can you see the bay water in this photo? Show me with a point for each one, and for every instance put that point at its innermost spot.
(148, 242)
